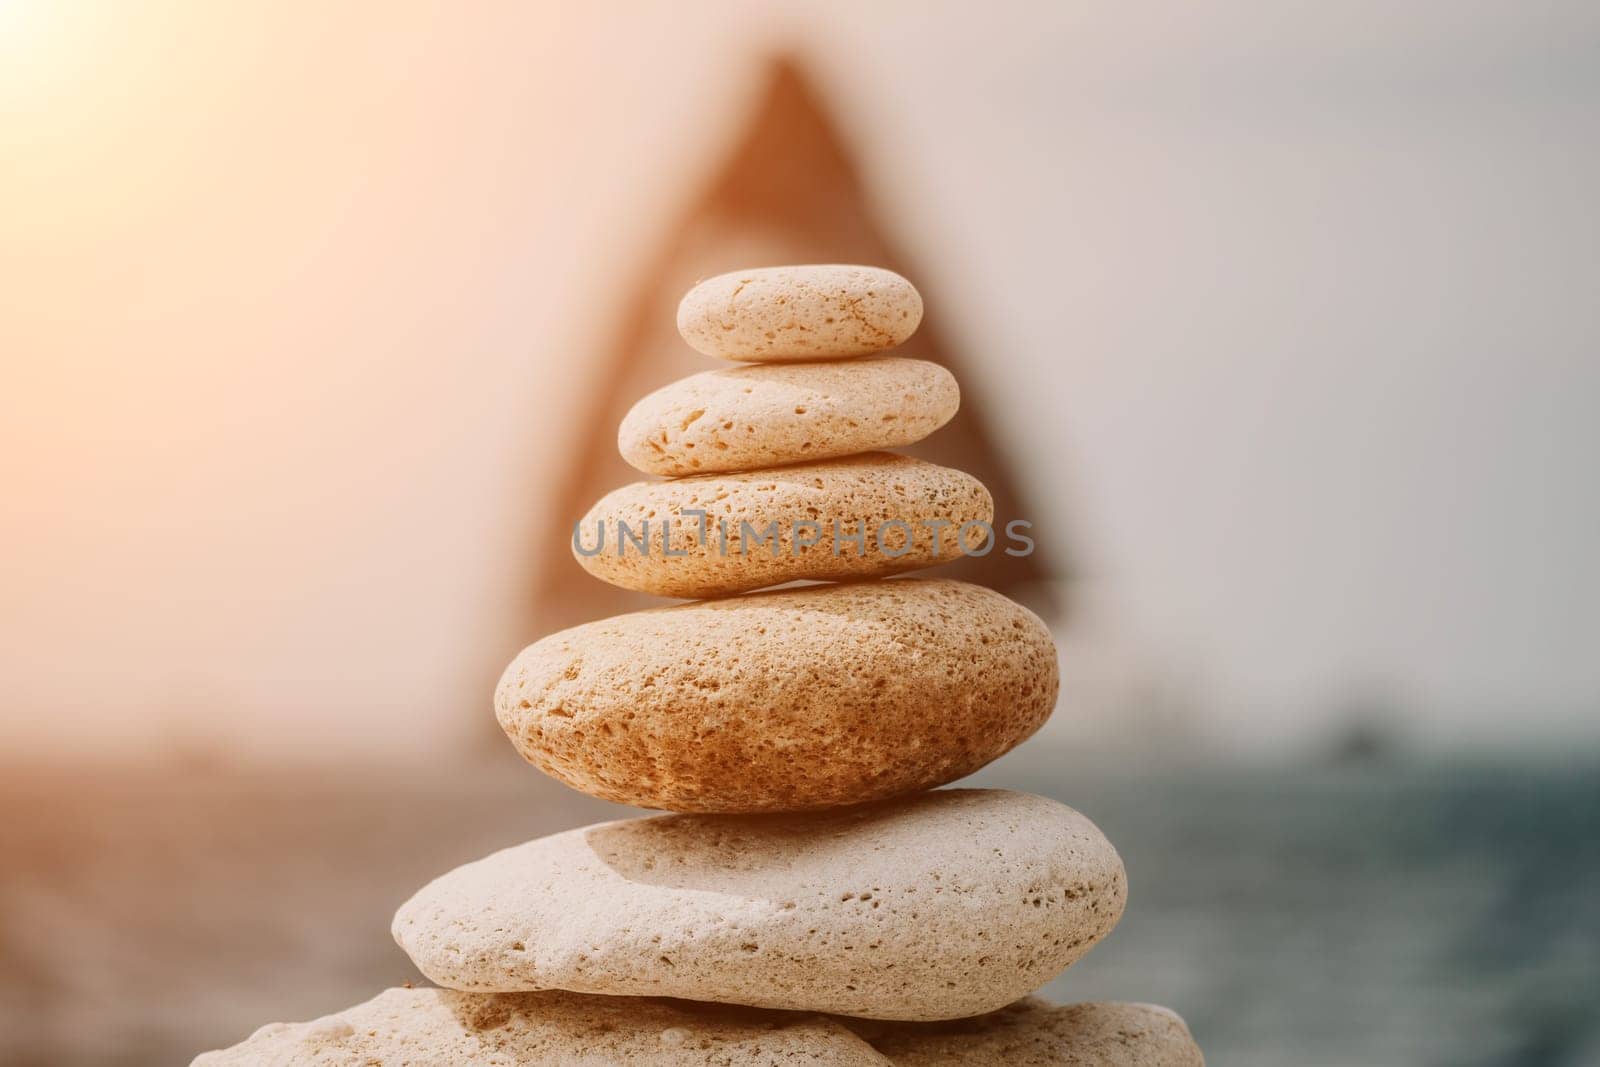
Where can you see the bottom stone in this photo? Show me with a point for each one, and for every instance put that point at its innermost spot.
(444, 1028)
(439, 1027)
(1036, 1033)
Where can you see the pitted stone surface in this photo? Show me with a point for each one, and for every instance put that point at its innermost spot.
(941, 905)
(864, 516)
(815, 311)
(444, 1028)
(1034, 1033)
(784, 701)
(746, 418)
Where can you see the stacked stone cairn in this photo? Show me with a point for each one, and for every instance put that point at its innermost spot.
(809, 899)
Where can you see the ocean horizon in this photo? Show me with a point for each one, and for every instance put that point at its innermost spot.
(1383, 912)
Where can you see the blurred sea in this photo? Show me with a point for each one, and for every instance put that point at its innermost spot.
(1381, 914)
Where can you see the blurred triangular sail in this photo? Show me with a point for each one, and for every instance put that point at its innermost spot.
(787, 193)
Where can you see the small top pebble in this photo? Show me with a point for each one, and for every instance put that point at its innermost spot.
(817, 311)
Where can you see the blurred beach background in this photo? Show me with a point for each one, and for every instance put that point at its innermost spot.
(1278, 322)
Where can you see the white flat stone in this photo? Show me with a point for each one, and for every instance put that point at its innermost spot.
(942, 905)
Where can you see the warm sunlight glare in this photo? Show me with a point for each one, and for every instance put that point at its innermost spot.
(33, 37)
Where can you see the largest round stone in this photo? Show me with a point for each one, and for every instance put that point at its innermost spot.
(942, 905)
(783, 701)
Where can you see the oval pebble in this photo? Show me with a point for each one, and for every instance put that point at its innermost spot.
(712, 535)
(744, 418)
(814, 311)
(938, 906)
(783, 701)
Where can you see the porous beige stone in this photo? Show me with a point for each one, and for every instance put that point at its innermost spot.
(745, 418)
(864, 516)
(444, 1028)
(815, 311)
(1035, 1033)
(783, 701)
(940, 905)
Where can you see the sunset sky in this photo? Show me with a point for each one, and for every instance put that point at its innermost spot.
(1292, 308)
